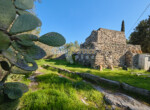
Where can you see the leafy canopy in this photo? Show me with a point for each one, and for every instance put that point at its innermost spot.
(141, 35)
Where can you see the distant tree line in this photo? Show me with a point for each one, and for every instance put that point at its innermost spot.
(141, 35)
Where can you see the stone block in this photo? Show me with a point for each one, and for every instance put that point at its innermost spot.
(136, 90)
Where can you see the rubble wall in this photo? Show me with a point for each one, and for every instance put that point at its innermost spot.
(111, 49)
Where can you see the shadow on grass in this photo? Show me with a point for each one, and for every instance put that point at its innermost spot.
(116, 75)
(57, 81)
(64, 63)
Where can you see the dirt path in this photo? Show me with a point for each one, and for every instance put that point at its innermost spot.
(33, 85)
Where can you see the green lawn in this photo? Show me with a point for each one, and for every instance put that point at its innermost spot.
(57, 93)
(116, 74)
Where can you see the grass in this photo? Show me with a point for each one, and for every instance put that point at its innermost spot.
(58, 93)
(116, 74)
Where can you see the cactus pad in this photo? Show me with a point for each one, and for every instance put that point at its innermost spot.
(17, 85)
(4, 41)
(24, 4)
(16, 70)
(27, 39)
(20, 61)
(19, 48)
(20, 12)
(7, 13)
(10, 55)
(26, 43)
(53, 39)
(13, 93)
(24, 23)
(34, 52)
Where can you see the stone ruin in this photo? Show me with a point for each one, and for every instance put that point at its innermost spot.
(111, 49)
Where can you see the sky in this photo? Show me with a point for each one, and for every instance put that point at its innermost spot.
(75, 19)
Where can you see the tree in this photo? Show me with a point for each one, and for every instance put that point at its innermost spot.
(122, 27)
(141, 35)
(76, 44)
(71, 49)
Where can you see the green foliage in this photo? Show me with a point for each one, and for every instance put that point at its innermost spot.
(26, 39)
(7, 14)
(141, 35)
(17, 85)
(71, 49)
(12, 93)
(10, 55)
(122, 27)
(24, 4)
(25, 22)
(73, 58)
(146, 45)
(25, 43)
(34, 52)
(53, 39)
(20, 61)
(4, 41)
(18, 48)
(20, 12)
(14, 90)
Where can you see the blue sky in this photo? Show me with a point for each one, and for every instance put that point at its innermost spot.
(75, 19)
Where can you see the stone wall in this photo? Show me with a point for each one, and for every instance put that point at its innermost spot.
(86, 59)
(106, 36)
(111, 49)
(132, 55)
(144, 61)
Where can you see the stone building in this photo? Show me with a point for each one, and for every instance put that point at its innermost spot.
(108, 47)
(144, 61)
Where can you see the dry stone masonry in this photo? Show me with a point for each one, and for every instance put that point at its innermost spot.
(111, 49)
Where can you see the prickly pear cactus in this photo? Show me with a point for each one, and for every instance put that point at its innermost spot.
(18, 48)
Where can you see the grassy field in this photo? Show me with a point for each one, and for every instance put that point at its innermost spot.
(57, 93)
(53, 92)
(116, 74)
